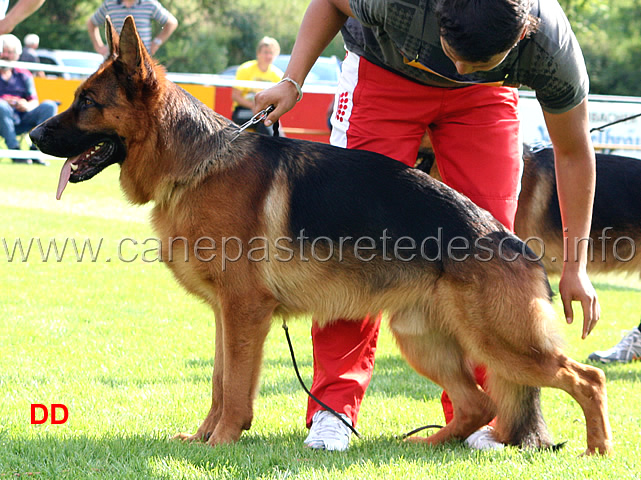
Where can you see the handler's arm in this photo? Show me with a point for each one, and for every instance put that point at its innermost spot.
(322, 21)
(18, 13)
(576, 176)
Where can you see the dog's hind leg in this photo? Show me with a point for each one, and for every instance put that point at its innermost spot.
(520, 419)
(521, 363)
(516, 338)
(586, 384)
(439, 357)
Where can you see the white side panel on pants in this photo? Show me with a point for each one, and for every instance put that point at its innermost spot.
(343, 101)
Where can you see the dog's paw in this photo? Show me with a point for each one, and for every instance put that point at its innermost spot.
(605, 450)
(187, 437)
(223, 437)
(423, 440)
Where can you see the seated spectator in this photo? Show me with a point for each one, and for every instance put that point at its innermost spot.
(20, 110)
(31, 43)
(260, 70)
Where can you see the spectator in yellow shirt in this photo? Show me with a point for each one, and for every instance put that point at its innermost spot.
(259, 70)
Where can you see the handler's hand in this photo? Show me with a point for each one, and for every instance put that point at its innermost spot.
(282, 96)
(576, 286)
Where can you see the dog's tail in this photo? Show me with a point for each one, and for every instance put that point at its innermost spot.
(520, 419)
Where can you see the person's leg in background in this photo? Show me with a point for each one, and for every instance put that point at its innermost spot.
(8, 129)
(626, 351)
(31, 119)
(479, 153)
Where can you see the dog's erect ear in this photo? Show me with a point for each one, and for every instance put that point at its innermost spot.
(112, 38)
(133, 55)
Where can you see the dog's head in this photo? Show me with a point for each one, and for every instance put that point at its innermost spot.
(107, 117)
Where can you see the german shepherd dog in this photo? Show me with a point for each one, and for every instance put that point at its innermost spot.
(337, 228)
(615, 234)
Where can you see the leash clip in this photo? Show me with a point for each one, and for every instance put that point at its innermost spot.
(259, 117)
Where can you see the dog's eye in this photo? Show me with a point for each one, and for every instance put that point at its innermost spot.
(86, 102)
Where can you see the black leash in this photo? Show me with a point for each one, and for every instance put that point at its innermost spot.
(420, 429)
(329, 409)
(621, 120)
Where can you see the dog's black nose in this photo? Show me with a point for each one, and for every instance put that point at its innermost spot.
(36, 134)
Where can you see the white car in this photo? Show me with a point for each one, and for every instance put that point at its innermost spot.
(70, 63)
(325, 71)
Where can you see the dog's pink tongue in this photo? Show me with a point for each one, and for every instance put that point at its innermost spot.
(65, 173)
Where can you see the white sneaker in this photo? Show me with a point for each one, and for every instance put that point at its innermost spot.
(627, 350)
(483, 439)
(328, 432)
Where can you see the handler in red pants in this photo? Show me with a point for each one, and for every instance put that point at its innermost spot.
(344, 351)
(446, 67)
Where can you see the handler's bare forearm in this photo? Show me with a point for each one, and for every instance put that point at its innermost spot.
(576, 177)
(321, 23)
(18, 13)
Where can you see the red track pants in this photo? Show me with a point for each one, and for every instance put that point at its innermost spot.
(475, 135)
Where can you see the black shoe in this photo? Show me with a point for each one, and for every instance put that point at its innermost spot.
(39, 161)
(25, 161)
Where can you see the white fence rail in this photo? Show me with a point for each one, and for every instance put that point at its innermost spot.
(623, 138)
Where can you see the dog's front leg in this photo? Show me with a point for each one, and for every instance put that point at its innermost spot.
(209, 424)
(245, 324)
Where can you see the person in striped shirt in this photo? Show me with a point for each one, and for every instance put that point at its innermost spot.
(143, 11)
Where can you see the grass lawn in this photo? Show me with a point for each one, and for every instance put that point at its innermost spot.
(130, 355)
